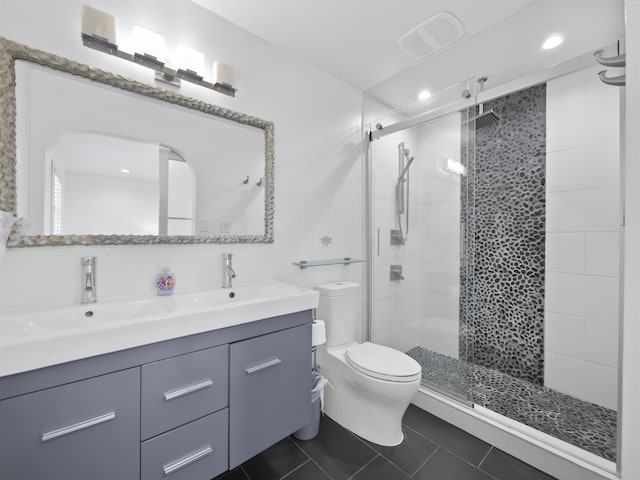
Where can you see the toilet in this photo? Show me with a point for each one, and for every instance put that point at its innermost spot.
(370, 386)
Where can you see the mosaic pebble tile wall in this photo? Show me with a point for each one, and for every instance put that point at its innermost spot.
(502, 325)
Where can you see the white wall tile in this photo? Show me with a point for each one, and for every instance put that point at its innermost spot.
(603, 253)
(601, 342)
(440, 217)
(443, 248)
(601, 299)
(601, 385)
(566, 128)
(567, 91)
(583, 210)
(383, 315)
(384, 182)
(439, 187)
(583, 167)
(442, 283)
(564, 334)
(603, 122)
(437, 334)
(597, 91)
(565, 374)
(582, 295)
(565, 252)
(441, 306)
(581, 379)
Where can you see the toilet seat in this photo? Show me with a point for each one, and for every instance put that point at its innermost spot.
(383, 363)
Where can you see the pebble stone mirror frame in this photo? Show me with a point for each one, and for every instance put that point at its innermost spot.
(11, 51)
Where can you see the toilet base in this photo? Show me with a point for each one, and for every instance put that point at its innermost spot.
(369, 407)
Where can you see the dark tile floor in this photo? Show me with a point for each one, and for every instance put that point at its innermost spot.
(432, 450)
(583, 424)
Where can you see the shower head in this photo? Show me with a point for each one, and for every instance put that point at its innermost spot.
(484, 119)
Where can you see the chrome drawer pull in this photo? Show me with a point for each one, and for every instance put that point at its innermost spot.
(78, 426)
(179, 392)
(262, 366)
(169, 468)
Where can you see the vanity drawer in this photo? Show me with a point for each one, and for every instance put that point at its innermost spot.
(180, 389)
(196, 451)
(269, 388)
(82, 430)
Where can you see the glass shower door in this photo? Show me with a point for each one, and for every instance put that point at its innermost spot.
(416, 280)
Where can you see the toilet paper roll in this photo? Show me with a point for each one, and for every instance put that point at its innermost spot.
(318, 333)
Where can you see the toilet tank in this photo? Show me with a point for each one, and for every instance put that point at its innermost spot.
(339, 306)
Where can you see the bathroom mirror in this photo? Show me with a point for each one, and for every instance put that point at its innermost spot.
(89, 157)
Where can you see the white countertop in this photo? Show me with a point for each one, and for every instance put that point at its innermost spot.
(34, 338)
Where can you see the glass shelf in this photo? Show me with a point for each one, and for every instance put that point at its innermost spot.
(333, 261)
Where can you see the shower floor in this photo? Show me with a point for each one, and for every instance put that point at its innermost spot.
(583, 424)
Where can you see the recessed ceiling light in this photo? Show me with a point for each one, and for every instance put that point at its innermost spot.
(552, 42)
(423, 95)
(124, 170)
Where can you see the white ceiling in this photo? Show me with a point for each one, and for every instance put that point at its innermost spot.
(355, 40)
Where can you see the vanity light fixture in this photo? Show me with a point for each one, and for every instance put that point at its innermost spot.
(552, 42)
(99, 33)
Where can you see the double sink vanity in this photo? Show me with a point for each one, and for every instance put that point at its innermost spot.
(184, 386)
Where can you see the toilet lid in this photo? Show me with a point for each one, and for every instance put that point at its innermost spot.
(383, 362)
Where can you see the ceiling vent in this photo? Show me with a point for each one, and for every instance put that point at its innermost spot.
(431, 35)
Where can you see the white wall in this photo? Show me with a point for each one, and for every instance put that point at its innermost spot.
(582, 237)
(317, 157)
(97, 204)
(630, 419)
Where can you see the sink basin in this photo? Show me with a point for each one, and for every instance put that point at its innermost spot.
(38, 337)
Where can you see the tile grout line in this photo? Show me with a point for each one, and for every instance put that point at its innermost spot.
(364, 466)
(425, 462)
(313, 460)
(482, 461)
(449, 451)
(398, 466)
(297, 468)
(485, 456)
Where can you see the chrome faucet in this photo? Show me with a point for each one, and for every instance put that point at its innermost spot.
(88, 289)
(227, 270)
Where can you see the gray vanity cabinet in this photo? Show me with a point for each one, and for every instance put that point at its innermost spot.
(83, 430)
(183, 388)
(269, 390)
(195, 451)
(185, 409)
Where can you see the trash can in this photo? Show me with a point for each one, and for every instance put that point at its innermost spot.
(310, 430)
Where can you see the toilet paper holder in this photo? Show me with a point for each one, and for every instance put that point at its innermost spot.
(318, 337)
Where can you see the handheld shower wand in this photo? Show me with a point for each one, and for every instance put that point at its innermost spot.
(402, 190)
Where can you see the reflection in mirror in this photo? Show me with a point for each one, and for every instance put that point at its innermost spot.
(102, 184)
(76, 135)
